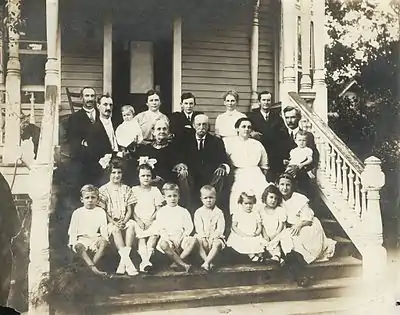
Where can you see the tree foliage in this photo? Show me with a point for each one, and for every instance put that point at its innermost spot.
(364, 45)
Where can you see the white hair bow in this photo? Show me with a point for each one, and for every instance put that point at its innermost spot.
(146, 160)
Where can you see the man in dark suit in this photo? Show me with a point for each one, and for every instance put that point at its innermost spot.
(268, 127)
(181, 122)
(292, 116)
(78, 125)
(206, 159)
(100, 139)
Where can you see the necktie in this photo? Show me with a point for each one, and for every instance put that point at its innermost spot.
(201, 144)
(292, 135)
(91, 116)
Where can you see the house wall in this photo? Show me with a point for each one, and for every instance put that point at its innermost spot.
(216, 54)
(79, 71)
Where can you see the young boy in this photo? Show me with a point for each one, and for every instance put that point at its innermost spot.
(88, 229)
(301, 156)
(175, 225)
(209, 224)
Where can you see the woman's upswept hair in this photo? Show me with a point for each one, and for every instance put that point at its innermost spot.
(152, 92)
(234, 93)
(240, 120)
(285, 176)
(271, 189)
(247, 195)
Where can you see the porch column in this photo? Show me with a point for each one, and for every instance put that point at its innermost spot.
(107, 54)
(13, 84)
(42, 170)
(319, 86)
(305, 82)
(177, 64)
(254, 56)
(288, 42)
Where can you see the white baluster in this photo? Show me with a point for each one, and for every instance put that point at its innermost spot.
(32, 108)
(320, 146)
(339, 173)
(328, 160)
(363, 200)
(351, 188)
(374, 254)
(345, 189)
(333, 167)
(357, 185)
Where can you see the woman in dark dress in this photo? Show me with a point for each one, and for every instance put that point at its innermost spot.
(165, 157)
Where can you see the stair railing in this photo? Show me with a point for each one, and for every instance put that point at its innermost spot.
(350, 189)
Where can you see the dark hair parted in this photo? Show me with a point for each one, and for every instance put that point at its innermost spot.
(285, 176)
(152, 92)
(234, 93)
(244, 195)
(240, 120)
(115, 163)
(86, 88)
(187, 95)
(263, 93)
(271, 189)
(289, 108)
(146, 167)
(106, 95)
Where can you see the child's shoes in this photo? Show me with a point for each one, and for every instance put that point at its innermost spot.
(121, 268)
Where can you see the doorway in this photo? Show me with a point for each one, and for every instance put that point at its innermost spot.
(160, 72)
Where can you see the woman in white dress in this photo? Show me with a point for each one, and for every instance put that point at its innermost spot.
(249, 160)
(304, 240)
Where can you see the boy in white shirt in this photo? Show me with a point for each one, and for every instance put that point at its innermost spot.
(88, 229)
(301, 156)
(209, 224)
(175, 225)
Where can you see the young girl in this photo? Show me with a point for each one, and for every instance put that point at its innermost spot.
(149, 200)
(273, 219)
(245, 237)
(117, 199)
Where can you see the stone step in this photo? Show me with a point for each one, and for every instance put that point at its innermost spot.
(137, 302)
(227, 276)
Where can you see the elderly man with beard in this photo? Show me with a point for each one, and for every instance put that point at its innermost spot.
(206, 159)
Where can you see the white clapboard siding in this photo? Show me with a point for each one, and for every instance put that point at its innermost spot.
(269, 22)
(80, 71)
(216, 56)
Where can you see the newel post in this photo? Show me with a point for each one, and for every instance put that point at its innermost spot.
(374, 254)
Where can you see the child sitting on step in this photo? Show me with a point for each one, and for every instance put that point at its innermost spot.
(175, 224)
(245, 237)
(209, 224)
(118, 199)
(149, 200)
(88, 229)
(273, 218)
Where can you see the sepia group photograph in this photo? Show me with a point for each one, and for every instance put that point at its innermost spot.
(199, 157)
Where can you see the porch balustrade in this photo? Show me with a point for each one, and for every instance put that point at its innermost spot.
(350, 188)
(32, 102)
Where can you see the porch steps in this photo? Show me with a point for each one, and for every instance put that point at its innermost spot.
(224, 296)
(238, 284)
